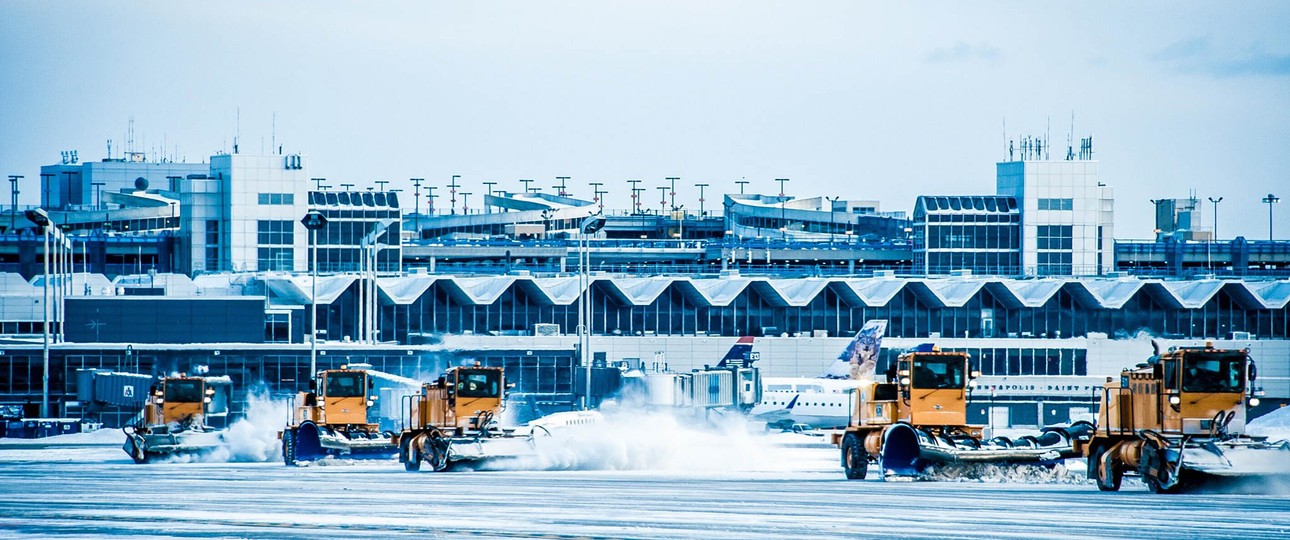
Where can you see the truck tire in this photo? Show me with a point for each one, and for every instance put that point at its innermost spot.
(289, 448)
(411, 456)
(855, 461)
(1104, 470)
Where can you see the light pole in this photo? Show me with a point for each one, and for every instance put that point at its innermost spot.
(833, 202)
(636, 195)
(416, 194)
(563, 180)
(701, 186)
(526, 182)
(465, 202)
(489, 185)
(783, 219)
(1214, 237)
(595, 194)
(673, 180)
(318, 182)
(13, 194)
(313, 221)
(589, 226)
(381, 184)
(41, 219)
(452, 193)
(662, 200)
(346, 186)
(429, 201)
(1270, 200)
(741, 183)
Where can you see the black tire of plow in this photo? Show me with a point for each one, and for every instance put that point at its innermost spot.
(289, 447)
(855, 461)
(411, 456)
(1105, 473)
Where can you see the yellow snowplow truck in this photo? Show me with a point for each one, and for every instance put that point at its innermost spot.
(174, 418)
(1178, 422)
(342, 415)
(918, 419)
(454, 420)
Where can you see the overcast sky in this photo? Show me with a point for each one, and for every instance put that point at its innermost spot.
(881, 101)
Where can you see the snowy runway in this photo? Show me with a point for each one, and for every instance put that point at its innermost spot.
(798, 492)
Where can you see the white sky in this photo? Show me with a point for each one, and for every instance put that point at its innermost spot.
(864, 100)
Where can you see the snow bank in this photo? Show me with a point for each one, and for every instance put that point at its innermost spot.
(1274, 425)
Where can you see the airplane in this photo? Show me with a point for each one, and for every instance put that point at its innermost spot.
(823, 402)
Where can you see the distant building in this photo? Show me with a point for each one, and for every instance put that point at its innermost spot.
(1180, 219)
(978, 233)
(1067, 216)
(80, 186)
(817, 219)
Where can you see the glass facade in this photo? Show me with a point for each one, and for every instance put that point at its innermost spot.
(977, 233)
(350, 217)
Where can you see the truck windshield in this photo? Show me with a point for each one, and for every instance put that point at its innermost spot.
(183, 391)
(478, 384)
(938, 372)
(1203, 372)
(345, 385)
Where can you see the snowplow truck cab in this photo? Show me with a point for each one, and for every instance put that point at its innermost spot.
(1178, 422)
(918, 418)
(173, 420)
(335, 418)
(454, 419)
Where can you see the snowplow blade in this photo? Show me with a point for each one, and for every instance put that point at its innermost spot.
(909, 451)
(143, 448)
(1237, 458)
(489, 448)
(311, 442)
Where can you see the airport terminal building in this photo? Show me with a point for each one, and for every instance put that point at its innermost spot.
(1029, 280)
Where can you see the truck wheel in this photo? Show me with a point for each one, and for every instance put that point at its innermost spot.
(1107, 475)
(289, 448)
(855, 461)
(412, 457)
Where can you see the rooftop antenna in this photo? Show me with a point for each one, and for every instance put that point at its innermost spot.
(129, 143)
(1070, 139)
(237, 134)
(1006, 147)
(273, 142)
(1048, 131)
(109, 148)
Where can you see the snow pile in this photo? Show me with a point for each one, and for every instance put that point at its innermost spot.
(1007, 474)
(660, 441)
(1274, 425)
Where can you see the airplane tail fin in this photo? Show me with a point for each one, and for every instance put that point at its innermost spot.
(860, 358)
(740, 353)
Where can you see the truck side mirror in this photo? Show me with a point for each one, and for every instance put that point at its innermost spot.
(1254, 372)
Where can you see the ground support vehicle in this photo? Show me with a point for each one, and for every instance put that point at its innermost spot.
(174, 418)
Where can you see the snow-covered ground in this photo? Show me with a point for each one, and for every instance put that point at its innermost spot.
(642, 478)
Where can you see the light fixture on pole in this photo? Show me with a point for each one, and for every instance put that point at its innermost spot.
(833, 203)
(636, 195)
(452, 193)
(741, 183)
(783, 219)
(589, 226)
(562, 187)
(429, 201)
(1214, 234)
(369, 259)
(314, 220)
(701, 186)
(13, 194)
(595, 194)
(41, 219)
(416, 194)
(673, 180)
(1270, 200)
(526, 182)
